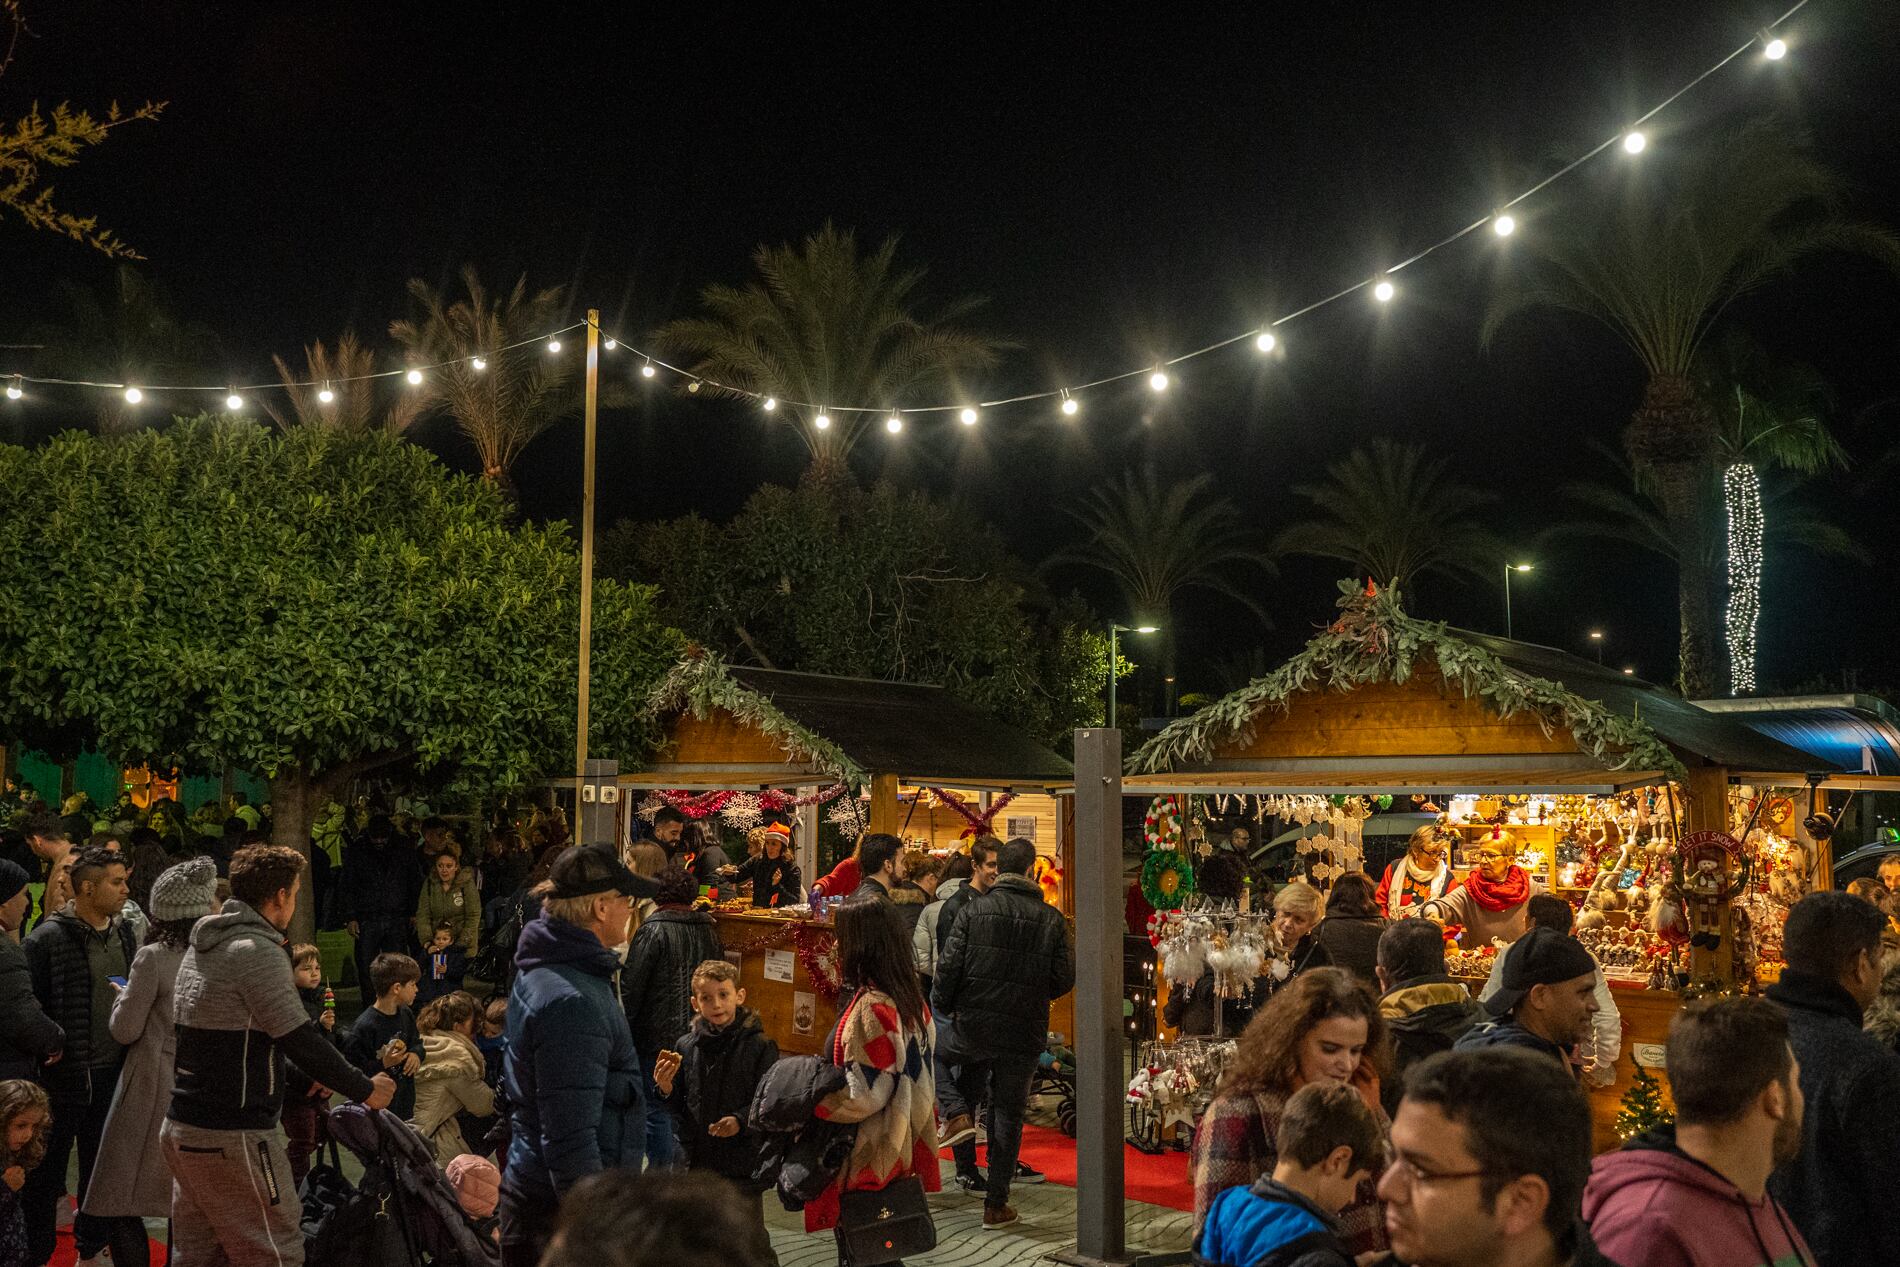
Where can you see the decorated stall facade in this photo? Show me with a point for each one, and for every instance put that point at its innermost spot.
(898, 757)
(1668, 826)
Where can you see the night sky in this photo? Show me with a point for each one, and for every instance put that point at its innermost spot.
(1123, 184)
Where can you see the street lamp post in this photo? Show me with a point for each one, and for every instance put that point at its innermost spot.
(1596, 637)
(1114, 660)
(1508, 569)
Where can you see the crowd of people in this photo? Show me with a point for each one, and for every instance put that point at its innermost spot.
(615, 1093)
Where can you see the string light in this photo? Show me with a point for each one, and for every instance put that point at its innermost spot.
(647, 370)
(1634, 143)
(1158, 381)
(326, 395)
(554, 345)
(480, 363)
(1775, 50)
(893, 424)
(822, 422)
(1070, 405)
(414, 378)
(611, 344)
(1383, 291)
(967, 417)
(234, 402)
(1504, 225)
(133, 395)
(13, 389)
(1265, 341)
(1741, 490)
(769, 405)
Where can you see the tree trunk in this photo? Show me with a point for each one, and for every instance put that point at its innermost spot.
(293, 806)
(1671, 442)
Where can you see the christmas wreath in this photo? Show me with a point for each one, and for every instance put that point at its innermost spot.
(1161, 825)
(1167, 878)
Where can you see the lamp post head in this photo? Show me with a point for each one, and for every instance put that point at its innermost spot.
(1523, 567)
(1147, 629)
(1596, 635)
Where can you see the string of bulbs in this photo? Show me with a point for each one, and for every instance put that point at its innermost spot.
(1632, 140)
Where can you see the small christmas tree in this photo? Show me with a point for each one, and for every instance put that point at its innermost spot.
(1642, 1108)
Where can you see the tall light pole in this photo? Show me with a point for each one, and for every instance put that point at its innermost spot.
(1508, 569)
(1114, 660)
(1596, 637)
(587, 558)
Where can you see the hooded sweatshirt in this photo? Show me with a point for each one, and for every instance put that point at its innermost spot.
(239, 1016)
(1653, 1205)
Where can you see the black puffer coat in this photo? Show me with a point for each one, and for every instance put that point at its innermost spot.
(801, 1154)
(719, 1071)
(657, 984)
(56, 960)
(1007, 957)
(27, 1035)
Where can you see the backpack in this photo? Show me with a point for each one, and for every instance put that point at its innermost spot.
(358, 1224)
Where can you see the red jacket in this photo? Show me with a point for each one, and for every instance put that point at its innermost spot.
(1652, 1205)
(843, 880)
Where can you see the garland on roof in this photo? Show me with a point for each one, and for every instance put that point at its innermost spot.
(1374, 640)
(701, 683)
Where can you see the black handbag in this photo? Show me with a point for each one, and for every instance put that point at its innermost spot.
(882, 1225)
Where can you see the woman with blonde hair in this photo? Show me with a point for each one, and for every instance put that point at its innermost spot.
(1324, 1025)
(453, 1076)
(647, 859)
(1297, 910)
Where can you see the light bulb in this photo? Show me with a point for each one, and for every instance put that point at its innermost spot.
(479, 362)
(414, 377)
(326, 395)
(1776, 50)
(893, 424)
(1266, 342)
(1504, 226)
(967, 417)
(611, 344)
(770, 404)
(822, 422)
(1634, 143)
(133, 395)
(1158, 381)
(234, 402)
(554, 345)
(647, 370)
(13, 390)
(1071, 406)
(1383, 292)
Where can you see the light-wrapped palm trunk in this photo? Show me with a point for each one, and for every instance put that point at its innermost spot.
(1741, 493)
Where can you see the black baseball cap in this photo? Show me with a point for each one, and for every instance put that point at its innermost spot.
(590, 869)
(1542, 956)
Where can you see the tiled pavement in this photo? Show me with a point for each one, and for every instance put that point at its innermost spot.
(1046, 1227)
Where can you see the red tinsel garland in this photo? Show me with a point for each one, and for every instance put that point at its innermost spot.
(817, 950)
(979, 820)
(706, 804)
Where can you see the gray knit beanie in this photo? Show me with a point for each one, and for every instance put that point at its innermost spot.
(184, 891)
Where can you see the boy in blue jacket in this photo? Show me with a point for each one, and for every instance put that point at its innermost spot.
(1329, 1140)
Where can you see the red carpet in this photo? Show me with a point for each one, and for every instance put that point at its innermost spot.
(1158, 1180)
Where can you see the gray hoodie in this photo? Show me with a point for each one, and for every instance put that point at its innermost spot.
(239, 1016)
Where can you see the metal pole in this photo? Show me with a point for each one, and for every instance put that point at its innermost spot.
(1096, 883)
(587, 556)
(1114, 666)
(1507, 600)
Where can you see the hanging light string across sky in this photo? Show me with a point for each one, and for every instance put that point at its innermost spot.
(1631, 138)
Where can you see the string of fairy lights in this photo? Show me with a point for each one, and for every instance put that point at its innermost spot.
(1771, 44)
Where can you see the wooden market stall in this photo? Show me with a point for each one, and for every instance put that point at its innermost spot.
(895, 757)
(1381, 704)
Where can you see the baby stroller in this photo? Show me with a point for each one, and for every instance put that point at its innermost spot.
(1055, 1075)
(402, 1214)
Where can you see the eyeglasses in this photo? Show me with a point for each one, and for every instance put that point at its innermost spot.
(1416, 1176)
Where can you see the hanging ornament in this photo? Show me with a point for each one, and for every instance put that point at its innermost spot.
(1161, 825)
(977, 820)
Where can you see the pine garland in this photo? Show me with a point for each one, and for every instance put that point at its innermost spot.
(1374, 640)
(701, 683)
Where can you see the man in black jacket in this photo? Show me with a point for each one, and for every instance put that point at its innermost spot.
(75, 957)
(28, 1036)
(1006, 959)
(877, 866)
(1425, 1010)
(1841, 1190)
(376, 897)
(958, 1133)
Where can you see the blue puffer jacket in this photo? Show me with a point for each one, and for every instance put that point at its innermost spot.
(572, 1078)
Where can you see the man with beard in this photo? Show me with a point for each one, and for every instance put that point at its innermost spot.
(1695, 1194)
(1547, 1001)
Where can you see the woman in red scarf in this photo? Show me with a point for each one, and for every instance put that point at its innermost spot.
(1421, 875)
(1490, 902)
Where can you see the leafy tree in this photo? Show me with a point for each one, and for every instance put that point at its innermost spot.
(1659, 261)
(1396, 514)
(827, 325)
(130, 329)
(33, 144)
(518, 392)
(345, 373)
(828, 578)
(310, 605)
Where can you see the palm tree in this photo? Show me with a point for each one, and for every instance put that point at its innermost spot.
(126, 330)
(1659, 264)
(345, 374)
(830, 327)
(1768, 418)
(517, 393)
(1395, 514)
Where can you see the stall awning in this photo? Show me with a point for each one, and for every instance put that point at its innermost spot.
(1359, 781)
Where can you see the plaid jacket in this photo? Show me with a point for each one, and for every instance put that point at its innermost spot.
(1233, 1146)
